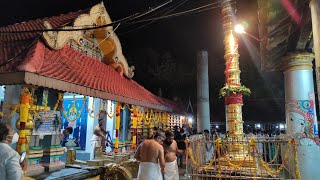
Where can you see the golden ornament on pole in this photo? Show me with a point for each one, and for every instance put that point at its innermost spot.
(237, 146)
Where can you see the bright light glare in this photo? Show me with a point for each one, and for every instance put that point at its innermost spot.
(217, 127)
(239, 29)
(190, 119)
(258, 125)
(281, 126)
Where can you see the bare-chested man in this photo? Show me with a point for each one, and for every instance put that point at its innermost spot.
(98, 135)
(170, 152)
(151, 156)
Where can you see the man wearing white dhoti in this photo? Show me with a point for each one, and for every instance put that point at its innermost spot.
(171, 151)
(98, 135)
(150, 153)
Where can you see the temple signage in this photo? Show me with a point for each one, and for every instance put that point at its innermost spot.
(48, 126)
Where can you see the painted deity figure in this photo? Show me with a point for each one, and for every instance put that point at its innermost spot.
(297, 124)
(72, 123)
(301, 120)
(72, 117)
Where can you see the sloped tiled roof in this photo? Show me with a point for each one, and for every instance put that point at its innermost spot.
(26, 52)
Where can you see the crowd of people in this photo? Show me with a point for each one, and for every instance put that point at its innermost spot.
(161, 154)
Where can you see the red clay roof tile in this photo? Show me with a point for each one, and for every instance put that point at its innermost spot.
(66, 64)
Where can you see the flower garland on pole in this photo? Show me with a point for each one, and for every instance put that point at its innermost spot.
(298, 177)
(134, 118)
(25, 99)
(118, 109)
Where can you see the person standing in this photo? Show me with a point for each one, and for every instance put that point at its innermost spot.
(150, 153)
(10, 168)
(208, 145)
(171, 151)
(180, 139)
(98, 135)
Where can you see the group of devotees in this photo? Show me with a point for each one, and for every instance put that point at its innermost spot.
(158, 157)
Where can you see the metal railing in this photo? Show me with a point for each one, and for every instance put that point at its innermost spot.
(241, 158)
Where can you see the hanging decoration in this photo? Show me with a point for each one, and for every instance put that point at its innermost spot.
(60, 96)
(297, 172)
(134, 118)
(46, 97)
(14, 110)
(110, 113)
(126, 105)
(25, 99)
(118, 109)
(140, 117)
(91, 111)
(72, 109)
(156, 119)
(219, 150)
(146, 118)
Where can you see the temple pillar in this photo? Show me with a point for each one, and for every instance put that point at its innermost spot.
(91, 123)
(49, 134)
(35, 154)
(11, 97)
(315, 16)
(52, 152)
(111, 106)
(203, 110)
(301, 115)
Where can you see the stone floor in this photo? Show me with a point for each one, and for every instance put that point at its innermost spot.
(182, 174)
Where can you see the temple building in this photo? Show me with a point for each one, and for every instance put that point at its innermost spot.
(69, 71)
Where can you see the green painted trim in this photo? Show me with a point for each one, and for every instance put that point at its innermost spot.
(51, 147)
(35, 147)
(58, 156)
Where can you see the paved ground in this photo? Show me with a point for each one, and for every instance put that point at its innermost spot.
(183, 177)
(181, 173)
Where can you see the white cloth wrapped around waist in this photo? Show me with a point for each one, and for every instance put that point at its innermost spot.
(149, 171)
(96, 140)
(171, 171)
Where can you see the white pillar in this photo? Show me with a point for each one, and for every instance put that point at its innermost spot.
(203, 110)
(315, 16)
(12, 97)
(110, 121)
(301, 114)
(92, 122)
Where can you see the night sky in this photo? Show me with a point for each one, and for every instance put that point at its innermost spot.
(173, 44)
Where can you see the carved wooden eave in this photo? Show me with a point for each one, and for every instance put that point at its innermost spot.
(279, 33)
(105, 37)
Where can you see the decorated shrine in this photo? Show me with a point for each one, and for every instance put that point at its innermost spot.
(64, 77)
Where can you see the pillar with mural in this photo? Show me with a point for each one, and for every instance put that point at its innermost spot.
(315, 16)
(301, 117)
(233, 90)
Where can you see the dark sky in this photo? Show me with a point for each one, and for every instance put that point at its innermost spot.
(180, 38)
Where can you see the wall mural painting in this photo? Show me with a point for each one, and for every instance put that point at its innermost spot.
(75, 116)
(301, 122)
